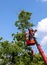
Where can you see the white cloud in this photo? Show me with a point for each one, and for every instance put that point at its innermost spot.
(42, 30)
(42, 34)
(42, 26)
(44, 40)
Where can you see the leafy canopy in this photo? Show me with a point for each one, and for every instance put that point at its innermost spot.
(16, 53)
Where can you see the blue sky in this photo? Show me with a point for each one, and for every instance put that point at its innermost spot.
(9, 10)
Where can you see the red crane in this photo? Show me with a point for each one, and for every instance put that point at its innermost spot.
(32, 41)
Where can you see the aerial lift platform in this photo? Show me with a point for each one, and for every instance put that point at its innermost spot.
(32, 41)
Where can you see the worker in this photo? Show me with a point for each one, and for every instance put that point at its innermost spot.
(30, 38)
(31, 33)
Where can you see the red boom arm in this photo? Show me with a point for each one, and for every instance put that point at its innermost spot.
(30, 42)
(42, 53)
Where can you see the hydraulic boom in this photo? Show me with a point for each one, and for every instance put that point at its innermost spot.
(32, 41)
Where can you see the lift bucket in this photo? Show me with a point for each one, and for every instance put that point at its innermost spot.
(30, 42)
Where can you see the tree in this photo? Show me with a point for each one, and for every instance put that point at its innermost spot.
(23, 24)
(16, 53)
(23, 20)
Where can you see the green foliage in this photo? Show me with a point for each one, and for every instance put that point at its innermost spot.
(1, 38)
(23, 20)
(16, 53)
(19, 36)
